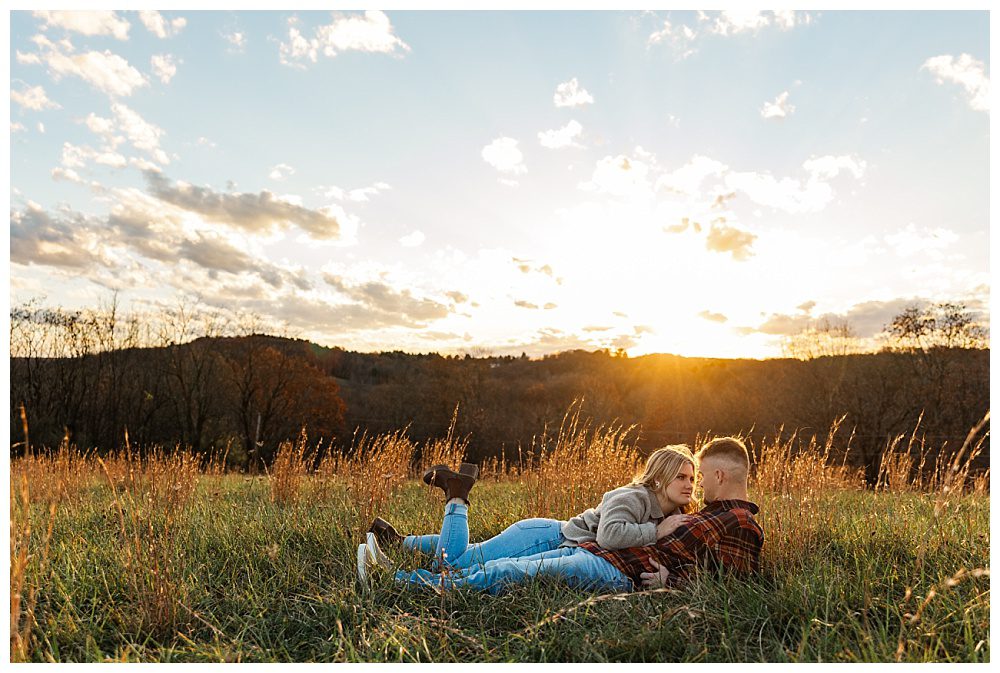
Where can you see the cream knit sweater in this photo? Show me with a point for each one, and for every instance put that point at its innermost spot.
(626, 517)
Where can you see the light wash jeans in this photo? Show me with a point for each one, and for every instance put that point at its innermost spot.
(452, 549)
(573, 565)
(527, 549)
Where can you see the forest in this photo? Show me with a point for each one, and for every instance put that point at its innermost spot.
(98, 378)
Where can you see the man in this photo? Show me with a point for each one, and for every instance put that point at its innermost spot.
(724, 534)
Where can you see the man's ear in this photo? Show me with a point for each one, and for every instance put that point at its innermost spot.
(720, 476)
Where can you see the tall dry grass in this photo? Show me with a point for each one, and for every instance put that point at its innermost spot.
(448, 450)
(802, 485)
(289, 470)
(27, 571)
(150, 493)
(59, 476)
(372, 471)
(572, 470)
(783, 466)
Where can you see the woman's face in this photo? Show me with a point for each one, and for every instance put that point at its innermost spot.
(680, 489)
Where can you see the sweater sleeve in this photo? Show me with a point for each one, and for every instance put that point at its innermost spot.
(621, 522)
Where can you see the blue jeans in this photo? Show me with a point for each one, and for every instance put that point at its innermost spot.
(577, 567)
(452, 549)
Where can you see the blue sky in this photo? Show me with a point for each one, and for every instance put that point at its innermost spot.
(701, 183)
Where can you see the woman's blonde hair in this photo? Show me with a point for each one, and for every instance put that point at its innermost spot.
(662, 467)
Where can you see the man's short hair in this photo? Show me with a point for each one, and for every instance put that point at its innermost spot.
(729, 448)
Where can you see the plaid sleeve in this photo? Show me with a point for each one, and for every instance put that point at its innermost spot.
(702, 531)
(730, 538)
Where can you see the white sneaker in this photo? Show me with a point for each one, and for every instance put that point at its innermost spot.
(363, 565)
(376, 553)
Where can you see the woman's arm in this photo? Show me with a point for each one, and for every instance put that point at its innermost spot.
(621, 524)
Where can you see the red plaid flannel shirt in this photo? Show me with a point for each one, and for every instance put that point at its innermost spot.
(723, 535)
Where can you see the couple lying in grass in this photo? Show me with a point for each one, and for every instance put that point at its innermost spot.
(642, 535)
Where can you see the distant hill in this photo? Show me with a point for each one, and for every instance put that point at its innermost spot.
(505, 402)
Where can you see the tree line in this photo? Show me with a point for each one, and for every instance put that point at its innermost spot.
(213, 382)
(204, 381)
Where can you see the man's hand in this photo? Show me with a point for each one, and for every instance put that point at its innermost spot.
(656, 580)
(670, 524)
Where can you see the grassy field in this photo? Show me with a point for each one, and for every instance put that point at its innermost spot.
(158, 561)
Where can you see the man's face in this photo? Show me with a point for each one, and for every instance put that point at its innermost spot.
(710, 475)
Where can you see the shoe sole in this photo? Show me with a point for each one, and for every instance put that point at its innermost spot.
(363, 566)
(375, 552)
(429, 473)
(468, 469)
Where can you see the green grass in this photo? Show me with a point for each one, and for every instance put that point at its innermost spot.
(260, 582)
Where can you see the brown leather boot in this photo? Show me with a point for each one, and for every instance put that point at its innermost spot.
(384, 531)
(454, 484)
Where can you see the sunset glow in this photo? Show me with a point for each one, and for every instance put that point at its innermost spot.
(699, 183)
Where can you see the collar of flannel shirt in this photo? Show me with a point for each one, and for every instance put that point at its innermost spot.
(719, 505)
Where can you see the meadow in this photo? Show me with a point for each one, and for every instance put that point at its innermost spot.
(161, 556)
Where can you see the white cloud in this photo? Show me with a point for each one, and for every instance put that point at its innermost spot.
(100, 125)
(504, 156)
(164, 67)
(33, 98)
(237, 40)
(787, 194)
(143, 135)
(67, 174)
(792, 195)
(563, 137)
(966, 71)
(371, 32)
(297, 49)
(87, 22)
(733, 22)
(681, 38)
(204, 142)
(143, 164)
(778, 109)
(29, 59)
(786, 19)
(412, 240)
(910, 240)
(362, 193)
(281, 172)
(159, 26)
(359, 194)
(829, 166)
(696, 195)
(619, 176)
(739, 21)
(76, 156)
(105, 71)
(507, 182)
(41, 127)
(569, 94)
(16, 127)
(688, 178)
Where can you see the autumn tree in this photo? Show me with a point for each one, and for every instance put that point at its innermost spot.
(271, 396)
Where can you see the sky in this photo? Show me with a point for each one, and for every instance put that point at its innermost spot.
(699, 183)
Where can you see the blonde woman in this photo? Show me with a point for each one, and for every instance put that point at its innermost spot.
(650, 507)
